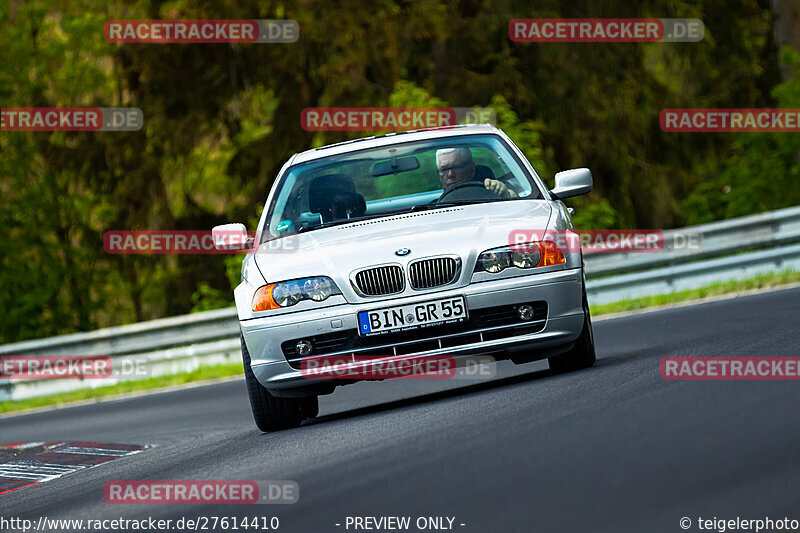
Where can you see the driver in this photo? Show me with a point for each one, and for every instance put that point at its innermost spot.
(455, 166)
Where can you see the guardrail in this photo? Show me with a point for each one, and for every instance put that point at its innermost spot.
(731, 249)
(135, 338)
(764, 230)
(692, 275)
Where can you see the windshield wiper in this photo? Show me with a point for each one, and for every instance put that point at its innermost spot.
(437, 205)
(342, 221)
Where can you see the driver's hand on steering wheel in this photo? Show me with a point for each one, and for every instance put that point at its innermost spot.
(499, 188)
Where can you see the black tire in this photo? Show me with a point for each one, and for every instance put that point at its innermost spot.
(310, 407)
(581, 355)
(271, 413)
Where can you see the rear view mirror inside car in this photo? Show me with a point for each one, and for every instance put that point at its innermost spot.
(395, 166)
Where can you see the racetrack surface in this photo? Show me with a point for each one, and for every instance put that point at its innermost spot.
(611, 449)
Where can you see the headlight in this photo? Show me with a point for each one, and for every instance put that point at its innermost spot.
(525, 259)
(289, 293)
(286, 294)
(529, 255)
(494, 261)
(319, 289)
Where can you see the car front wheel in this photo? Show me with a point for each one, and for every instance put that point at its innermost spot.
(582, 354)
(272, 413)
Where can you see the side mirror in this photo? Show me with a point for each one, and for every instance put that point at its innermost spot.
(231, 237)
(572, 183)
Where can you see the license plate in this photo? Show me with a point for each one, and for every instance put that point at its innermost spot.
(412, 316)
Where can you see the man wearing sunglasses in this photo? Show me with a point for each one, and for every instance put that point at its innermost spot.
(455, 166)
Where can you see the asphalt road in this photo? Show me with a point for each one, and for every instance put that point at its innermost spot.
(615, 448)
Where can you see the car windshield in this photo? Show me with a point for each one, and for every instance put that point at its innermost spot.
(394, 179)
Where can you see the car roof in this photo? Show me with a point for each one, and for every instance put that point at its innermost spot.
(389, 139)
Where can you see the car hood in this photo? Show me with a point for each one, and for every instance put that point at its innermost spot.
(337, 251)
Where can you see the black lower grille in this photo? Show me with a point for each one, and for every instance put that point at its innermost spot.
(327, 343)
(428, 338)
(507, 314)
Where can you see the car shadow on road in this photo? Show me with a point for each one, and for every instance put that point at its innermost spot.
(602, 362)
(432, 397)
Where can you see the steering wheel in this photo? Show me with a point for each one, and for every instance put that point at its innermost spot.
(486, 194)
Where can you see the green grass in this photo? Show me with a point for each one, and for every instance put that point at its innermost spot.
(235, 369)
(715, 289)
(201, 374)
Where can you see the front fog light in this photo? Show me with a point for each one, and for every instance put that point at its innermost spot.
(304, 347)
(525, 312)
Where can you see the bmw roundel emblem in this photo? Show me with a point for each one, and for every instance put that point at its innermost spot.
(402, 251)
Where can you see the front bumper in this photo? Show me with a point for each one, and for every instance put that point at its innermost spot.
(561, 290)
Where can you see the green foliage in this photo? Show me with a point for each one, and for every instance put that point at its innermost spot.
(220, 121)
(526, 134)
(763, 170)
(595, 215)
(207, 298)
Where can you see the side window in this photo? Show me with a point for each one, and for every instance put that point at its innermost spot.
(286, 204)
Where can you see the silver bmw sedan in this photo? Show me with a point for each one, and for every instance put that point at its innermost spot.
(408, 248)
